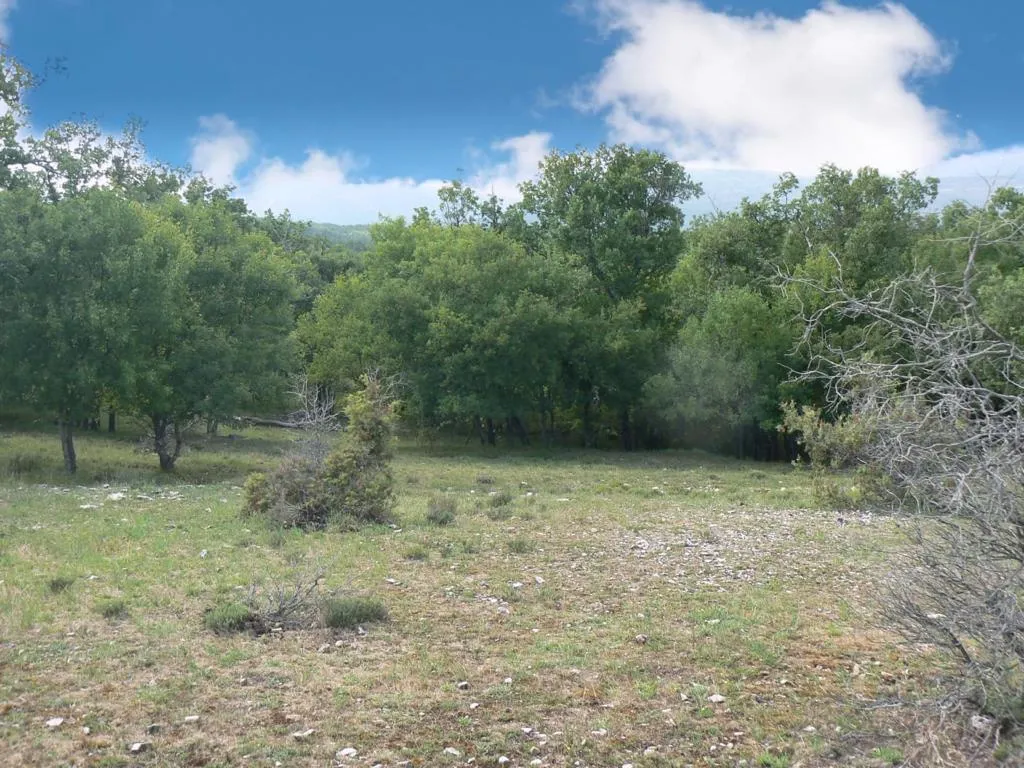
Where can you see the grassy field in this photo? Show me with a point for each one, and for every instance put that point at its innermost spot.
(584, 609)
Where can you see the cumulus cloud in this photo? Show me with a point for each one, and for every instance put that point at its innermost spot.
(6, 6)
(769, 93)
(325, 187)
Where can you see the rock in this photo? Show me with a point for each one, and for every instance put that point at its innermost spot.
(981, 723)
(115, 496)
(153, 728)
(55, 722)
(517, 585)
(204, 553)
(641, 639)
(536, 761)
(191, 719)
(627, 765)
(508, 681)
(303, 735)
(716, 698)
(462, 685)
(810, 729)
(599, 732)
(452, 752)
(347, 752)
(139, 747)
(86, 730)
(474, 705)
(503, 760)
(325, 648)
(538, 580)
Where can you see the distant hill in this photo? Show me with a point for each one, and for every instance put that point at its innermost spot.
(354, 236)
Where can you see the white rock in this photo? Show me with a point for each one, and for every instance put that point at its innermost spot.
(303, 735)
(716, 698)
(346, 753)
(452, 751)
(599, 732)
(536, 761)
(517, 585)
(503, 760)
(86, 730)
(508, 681)
(139, 747)
(55, 722)
(462, 685)
(115, 496)
(474, 705)
(981, 723)
(203, 553)
(810, 729)
(191, 719)
(538, 579)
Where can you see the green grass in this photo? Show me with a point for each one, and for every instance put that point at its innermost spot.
(619, 597)
(352, 612)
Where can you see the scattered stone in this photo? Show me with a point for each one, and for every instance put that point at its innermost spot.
(190, 719)
(650, 751)
(627, 765)
(346, 753)
(339, 643)
(599, 732)
(503, 760)
(393, 582)
(539, 580)
(810, 729)
(153, 728)
(303, 735)
(716, 698)
(452, 752)
(325, 648)
(981, 723)
(139, 747)
(55, 722)
(86, 730)
(115, 496)
(462, 685)
(536, 761)
(203, 553)
(508, 681)
(474, 705)
(641, 639)
(87, 506)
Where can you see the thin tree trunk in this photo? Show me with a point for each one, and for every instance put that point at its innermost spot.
(162, 429)
(491, 435)
(626, 431)
(211, 426)
(67, 445)
(111, 421)
(588, 433)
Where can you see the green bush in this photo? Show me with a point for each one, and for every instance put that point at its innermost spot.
(352, 612)
(441, 510)
(230, 617)
(112, 608)
(353, 485)
(61, 583)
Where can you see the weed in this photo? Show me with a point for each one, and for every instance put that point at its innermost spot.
(229, 617)
(351, 612)
(485, 480)
(60, 583)
(112, 608)
(520, 546)
(417, 553)
(441, 510)
(890, 755)
(500, 499)
(768, 760)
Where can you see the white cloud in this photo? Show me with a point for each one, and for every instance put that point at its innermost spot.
(6, 6)
(323, 187)
(769, 93)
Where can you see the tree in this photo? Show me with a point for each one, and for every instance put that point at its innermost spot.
(218, 339)
(74, 271)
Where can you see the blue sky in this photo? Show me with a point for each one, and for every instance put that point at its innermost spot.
(342, 110)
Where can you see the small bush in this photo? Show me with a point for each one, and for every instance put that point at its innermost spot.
(500, 499)
(352, 612)
(352, 485)
(112, 608)
(441, 510)
(60, 583)
(24, 464)
(520, 546)
(230, 617)
(485, 480)
(417, 552)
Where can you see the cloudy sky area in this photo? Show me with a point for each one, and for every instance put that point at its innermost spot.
(341, 112)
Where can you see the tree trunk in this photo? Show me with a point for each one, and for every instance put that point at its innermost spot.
(67, 445)
(211, 426)
(164, 431)
(517, 426)
(491, 435)
(626, 431)
(588, 432)
(111, 421)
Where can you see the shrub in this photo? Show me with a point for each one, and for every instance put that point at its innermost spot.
(60, 583)
(352, 485)
(500, 499)
(417, 552)
(351, 612)
(520, 546)
(112, 608)
(441, 510)
(230, 617)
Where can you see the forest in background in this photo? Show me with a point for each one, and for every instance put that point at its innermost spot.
(592, 312)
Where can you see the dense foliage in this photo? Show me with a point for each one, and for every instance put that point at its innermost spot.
(591, 312)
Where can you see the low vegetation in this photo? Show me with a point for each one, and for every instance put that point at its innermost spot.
(656, 609)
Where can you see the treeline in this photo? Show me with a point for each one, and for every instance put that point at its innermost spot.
(590, 313)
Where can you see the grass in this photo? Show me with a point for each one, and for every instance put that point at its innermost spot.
(632, 591)
(352, 612)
